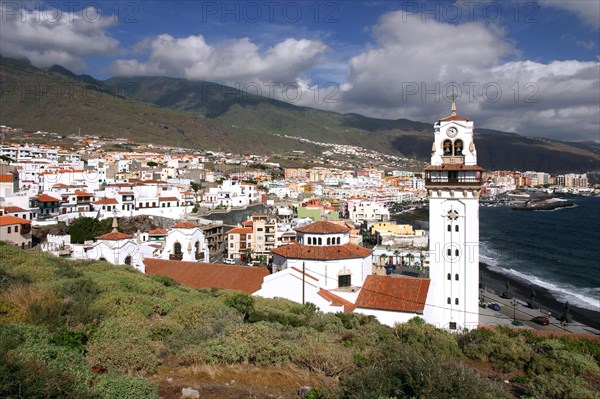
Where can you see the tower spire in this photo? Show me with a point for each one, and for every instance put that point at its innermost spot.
(453, 108)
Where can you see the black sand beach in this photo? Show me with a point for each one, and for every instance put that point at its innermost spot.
(520, 289)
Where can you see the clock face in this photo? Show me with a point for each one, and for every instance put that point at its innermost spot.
(452, 132)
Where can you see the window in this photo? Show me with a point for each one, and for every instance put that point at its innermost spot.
(449, 276)
(16, 229)
(339, 240)
(344, 280)
(455, 277)
(320, 241)
(231, 237)
(231, 245)
(449, 301)
(452, 325)
(456, 301)
(456, 228)
(456, 252)
(9, 230)
(449, 252)
(259, 229)
(328, 241)
(449, 228)
(309, 241)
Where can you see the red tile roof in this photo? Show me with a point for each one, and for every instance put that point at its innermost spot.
(207, 275)
(331, 252)
(185, 225)
(454, 118)
(164, 199)
(47, 198)
(397, 294)
(453, 166)
(240, 230)
(6, 178)
(158, 232)
(247, 223)
(13, 209)
(106, 201)
(114, 236)
(83, 194)
(336, 300)
(9, 220)
(323, 227)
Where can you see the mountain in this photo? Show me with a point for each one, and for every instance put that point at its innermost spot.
(207, 115)
(496, 149)
(56, 100)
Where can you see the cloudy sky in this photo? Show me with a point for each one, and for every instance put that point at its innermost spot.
(532, 67)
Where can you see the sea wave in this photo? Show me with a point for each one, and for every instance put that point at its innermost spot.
(587, 298)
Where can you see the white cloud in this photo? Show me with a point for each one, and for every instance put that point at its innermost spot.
(586, 10)
(234, 61)
(411, 68)
(47, 37)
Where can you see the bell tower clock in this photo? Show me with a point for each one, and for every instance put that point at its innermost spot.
(453, 182)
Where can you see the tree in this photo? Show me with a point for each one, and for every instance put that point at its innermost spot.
(85, 228)
(397, 255)
(152, 164)
(196, 186)
(410, 257)
(382, 258)
(248, 251)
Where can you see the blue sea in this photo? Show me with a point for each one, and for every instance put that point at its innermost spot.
(558, 250)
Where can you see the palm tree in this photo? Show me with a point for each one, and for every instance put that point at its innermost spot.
(410, 257)
(248, 251)
(396, 254)
(382, 258)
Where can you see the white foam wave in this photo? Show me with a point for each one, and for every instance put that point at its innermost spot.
(587, 298)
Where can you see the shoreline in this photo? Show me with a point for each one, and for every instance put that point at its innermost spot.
(497, 281)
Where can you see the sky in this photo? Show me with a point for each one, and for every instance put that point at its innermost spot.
(530, 67)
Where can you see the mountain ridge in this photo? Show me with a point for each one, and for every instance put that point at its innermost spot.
(212, 116)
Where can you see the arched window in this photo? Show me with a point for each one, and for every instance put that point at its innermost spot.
(309, 241)
(449, 228)
(320, 241)
(447, 147)
(449, 276)
(177, 248)
(328, 241)
(458, 147)
(455, 277)
(128, 260)
(449, 301)
(456, 301)
(197, 247)
(456, 228)
(339, 240)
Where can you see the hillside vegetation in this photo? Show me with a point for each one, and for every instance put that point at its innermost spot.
(94, 330)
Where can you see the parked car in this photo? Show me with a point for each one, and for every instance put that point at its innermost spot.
(228, 261)
(541, 320)
(483, 304)
(494, 306)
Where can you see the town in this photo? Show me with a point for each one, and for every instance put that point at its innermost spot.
(341, 222)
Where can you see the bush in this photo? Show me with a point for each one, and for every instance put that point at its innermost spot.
(425, 337)
(124, 345)
(559, 386)
(403, 372)
(504, 352)
(115, 386)
(241, 302)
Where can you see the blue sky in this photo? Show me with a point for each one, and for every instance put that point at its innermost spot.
(531, 67)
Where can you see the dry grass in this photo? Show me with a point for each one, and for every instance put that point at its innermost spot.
(18, 298)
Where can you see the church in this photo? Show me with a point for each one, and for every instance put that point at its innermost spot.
(453, 182)
(323, 268)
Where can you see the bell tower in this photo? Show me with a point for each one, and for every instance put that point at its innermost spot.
(453, 182)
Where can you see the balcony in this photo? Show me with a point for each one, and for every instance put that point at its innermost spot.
(175, 256)
(453, 181)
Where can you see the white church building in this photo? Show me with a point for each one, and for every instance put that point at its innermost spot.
(453, 182)
(325, 269)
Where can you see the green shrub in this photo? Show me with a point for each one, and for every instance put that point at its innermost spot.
(31, 367)
(124, 345)
(322, 355)
(241, 302)
(405, 373)
(559, 386)
(425, 337)
(504, 352)
(116, 386)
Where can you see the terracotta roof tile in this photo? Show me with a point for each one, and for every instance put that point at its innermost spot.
(83, 194)
(300, 251)
(207, 275)
(47, 198)
(14, 209)
(454, 118)
(106, 201)
(453, 166)
(165, 199)
(6, 178)
(158, 232)
(397, 294)
(240, 230)
(8, 220)
(336, 300)
(114, 236)
(186, 225)
(323, 227)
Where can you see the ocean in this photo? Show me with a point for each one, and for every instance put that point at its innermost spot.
(558, 250)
